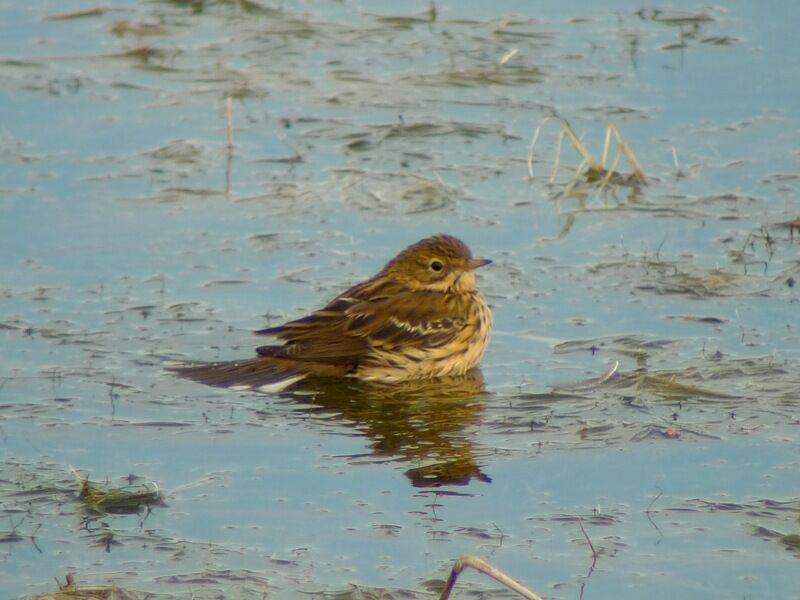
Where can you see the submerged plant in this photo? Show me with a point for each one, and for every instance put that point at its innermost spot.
(129, 499)
(72, 591)
(591, 175)
(592, 170)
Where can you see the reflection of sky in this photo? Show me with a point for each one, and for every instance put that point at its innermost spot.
(73, 173)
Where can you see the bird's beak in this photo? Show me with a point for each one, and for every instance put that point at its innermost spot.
(475, 263)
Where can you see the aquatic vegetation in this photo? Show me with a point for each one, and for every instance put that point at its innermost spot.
(482, 566)
(105, 499)
(592, 171)
(70, 590)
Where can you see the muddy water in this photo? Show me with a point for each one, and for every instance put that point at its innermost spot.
(642, 379)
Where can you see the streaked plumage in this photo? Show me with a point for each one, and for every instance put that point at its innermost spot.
(420, 317)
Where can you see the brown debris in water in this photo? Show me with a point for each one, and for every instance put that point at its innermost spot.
(129, 499)
(70, 590)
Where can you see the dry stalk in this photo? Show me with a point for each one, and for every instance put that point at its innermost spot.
(229, 121)
(483, 567)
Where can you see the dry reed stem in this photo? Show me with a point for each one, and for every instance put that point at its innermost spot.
(229, 121)
(557, 162)
(533, 145)
(678, 172)
(507, 57)
(597, 169)
(581, 148)
(77, 14)
(573, 184)
(612, 369)
(606, 144)
(611, 170)
(483, 567)
(567, 226)
(626, 150)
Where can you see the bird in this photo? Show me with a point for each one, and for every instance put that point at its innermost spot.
(421, 317)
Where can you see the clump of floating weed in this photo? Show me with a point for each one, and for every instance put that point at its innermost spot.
(669, 387)
(595, 171)
(592, 172)
(72, 591)
(128, 499)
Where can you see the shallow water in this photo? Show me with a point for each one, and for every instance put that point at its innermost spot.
(129, 236)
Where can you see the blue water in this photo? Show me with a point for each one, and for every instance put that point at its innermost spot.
(121, 232)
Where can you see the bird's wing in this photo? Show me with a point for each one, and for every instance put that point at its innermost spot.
(349, 328)
(333, 314)
(411, 319)
(321, 335)
(318, 337)
(330, 317)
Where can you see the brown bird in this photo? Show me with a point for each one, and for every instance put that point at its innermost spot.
(420, 317)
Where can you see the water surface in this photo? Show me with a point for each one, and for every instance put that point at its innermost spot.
(130, 235)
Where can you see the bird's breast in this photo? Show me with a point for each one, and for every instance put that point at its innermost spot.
(436, 352)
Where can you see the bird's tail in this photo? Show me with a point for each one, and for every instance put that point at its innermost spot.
(265, 374)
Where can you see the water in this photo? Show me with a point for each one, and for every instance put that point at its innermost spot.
(128, 238)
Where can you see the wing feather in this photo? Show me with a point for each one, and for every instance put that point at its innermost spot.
(373, 315)
(411, 319)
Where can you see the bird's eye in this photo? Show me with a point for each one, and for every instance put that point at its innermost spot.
(436, 265)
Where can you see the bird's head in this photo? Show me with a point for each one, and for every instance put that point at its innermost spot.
(440, 263)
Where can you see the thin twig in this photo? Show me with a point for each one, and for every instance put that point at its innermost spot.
(530, 151)
(648, 514)
(606, 146)
(507, 57)
(229, 121)
(626, 150)
(678, 172)
(611, 170)
(482, 566)
(589, 541)
(581, 148)
(575, 179)
(77, 14)
(609, 373)
(229, 136)
(533, 144)
(557, 161)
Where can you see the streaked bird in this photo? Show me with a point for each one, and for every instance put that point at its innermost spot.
(421, 317)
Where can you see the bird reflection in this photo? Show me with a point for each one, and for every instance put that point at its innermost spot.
(425, 422)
